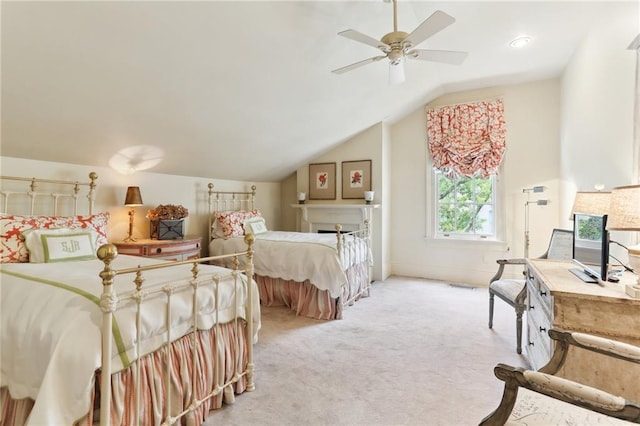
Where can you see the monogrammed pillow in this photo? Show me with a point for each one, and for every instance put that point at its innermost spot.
(60, 245)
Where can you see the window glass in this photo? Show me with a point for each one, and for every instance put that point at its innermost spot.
(465, 206)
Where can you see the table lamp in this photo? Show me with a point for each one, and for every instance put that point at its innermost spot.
(131, 200)
(591, 202)
(624, 215)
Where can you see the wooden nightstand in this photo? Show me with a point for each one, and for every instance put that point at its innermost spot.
(185, 249)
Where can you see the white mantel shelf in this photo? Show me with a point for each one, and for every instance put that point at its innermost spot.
(334, 206)
(365, 213)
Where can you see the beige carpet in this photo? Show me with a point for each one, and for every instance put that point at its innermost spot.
(414, 353)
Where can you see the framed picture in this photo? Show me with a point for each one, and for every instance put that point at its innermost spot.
(322, 181)
(356, 178)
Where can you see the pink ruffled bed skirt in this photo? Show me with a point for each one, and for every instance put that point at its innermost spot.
(208, 375)
(308, 300)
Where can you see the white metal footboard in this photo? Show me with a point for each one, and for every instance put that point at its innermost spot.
(347, 244)
(111, 302)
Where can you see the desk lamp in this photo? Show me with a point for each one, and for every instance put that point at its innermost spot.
(624, 215)
(131, 200)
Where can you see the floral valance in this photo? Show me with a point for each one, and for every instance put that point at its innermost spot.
(468, 139)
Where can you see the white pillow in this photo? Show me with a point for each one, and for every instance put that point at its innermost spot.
(60, 245)
(255, 226)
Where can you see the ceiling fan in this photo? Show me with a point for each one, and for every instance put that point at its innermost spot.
(398, 45)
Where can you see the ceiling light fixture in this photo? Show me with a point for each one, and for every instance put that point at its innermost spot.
(520, 42)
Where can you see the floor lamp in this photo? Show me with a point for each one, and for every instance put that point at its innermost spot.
(528, 191)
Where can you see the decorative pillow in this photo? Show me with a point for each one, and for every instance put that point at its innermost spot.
(216, 226)
(256, 225)
(59, 245)
(12, 246)
(229, 224)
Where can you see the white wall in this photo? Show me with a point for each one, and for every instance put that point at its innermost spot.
(532, 158)
(155, 189)
(597, 108)
(288, 215)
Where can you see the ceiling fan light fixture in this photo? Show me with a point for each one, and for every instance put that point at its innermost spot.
(396, 72)
(520, 42)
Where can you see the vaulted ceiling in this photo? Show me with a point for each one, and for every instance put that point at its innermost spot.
(244, 90)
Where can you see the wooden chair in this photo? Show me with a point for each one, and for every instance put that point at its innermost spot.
(514, 291)
(543, 398)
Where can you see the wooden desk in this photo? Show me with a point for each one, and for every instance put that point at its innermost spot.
(559, 299)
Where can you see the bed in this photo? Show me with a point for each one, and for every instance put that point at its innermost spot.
(316, 275)
(84, 329)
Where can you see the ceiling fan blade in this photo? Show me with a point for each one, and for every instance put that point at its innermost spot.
(430, 26)
(363, 38)
(357, 64)
(445, 56)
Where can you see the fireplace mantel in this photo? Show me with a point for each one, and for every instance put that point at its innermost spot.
(324, 216)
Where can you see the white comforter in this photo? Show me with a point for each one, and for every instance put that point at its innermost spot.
(50, 335)
(299, 256)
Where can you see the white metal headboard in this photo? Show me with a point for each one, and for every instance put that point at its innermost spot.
(220, 201)
(65, 190)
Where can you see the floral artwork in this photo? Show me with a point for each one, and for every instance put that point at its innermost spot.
(356, 178)
(322, 181)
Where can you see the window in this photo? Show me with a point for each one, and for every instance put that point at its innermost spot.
(465, 206)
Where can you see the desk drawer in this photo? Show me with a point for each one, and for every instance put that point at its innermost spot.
(185, 249)
(539, 321)
(170, 250)
(539, 293)
(538, 345)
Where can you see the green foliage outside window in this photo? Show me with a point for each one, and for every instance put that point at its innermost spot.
(590, 228)
(465, 205)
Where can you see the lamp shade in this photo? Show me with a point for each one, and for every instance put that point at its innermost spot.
(591, 203)
(624, 210)
(536, 189)
(133, 197)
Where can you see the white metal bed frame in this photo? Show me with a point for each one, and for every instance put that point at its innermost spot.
(110, 301)
(245, 200)
(34, 194)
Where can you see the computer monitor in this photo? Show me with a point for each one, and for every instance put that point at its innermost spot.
(590, 246)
